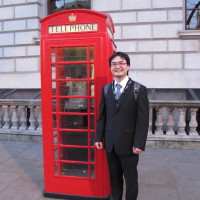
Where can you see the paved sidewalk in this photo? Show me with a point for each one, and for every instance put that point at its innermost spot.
(164, 174)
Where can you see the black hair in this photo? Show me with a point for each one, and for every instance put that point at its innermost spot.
(120, 54)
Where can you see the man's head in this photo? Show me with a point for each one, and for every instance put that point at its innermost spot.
(120, 54)
(119, 65)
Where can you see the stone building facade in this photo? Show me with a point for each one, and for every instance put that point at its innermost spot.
(163, 54)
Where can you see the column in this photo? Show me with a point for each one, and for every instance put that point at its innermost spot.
(1, 117)
(14, 119)
(39, 128)
(23, 118)
(193, 122)
(6, 117)
(150, 121)
(32, 118)
(181, 123)
(170, 122)
(158, 122)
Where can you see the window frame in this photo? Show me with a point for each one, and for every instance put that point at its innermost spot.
(50, 10)
(186, 19)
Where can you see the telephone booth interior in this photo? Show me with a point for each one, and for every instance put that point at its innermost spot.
(75, 47)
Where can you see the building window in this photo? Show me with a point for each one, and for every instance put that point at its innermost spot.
(58, 5)
(192, 14)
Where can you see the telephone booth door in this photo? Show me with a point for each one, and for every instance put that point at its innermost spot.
(72, 76)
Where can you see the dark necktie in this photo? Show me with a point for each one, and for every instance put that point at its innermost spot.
(118, 93)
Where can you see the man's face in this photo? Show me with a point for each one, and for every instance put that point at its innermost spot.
(119, 67)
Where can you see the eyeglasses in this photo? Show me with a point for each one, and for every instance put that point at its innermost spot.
(120, 64)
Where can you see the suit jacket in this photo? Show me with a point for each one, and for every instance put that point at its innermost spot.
(125, 125)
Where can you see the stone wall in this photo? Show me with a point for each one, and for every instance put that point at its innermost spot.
(150, 31)
(163, 54)
(19, 53)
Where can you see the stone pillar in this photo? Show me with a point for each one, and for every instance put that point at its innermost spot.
(193, 122)
(150, 121)
(14, 119)
(159, 122)
(32, 118)
(39, 128)
(1, 117)
(182, 123)
(170, 122)
(6, 117)
(23, 118)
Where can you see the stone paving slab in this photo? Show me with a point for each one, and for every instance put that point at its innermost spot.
(164, 174)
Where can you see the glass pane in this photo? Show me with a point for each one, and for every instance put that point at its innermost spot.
(92, 155)
(74, 105)
(72, 54)
(54, 105)
(193, 19)
(55, 168)
(72, 88)
(92, 88)
(92, 105)
(92, 171)
(58, 5)
(55, 149)
(92, 71)
(53, 88)
(74, 154)
(71, 169)
(92, 122)
(53, 71)
(74, 138)
(193, 14)
(72, 71)
(55, 137)
(54, 117)
(53, 55)
(92, 138)
(74, 121)
(91, 53)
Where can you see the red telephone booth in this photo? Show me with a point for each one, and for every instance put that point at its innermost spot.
(75, 47)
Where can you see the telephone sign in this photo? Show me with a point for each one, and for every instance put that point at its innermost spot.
(75, 47)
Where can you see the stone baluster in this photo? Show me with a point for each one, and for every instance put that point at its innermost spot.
(159, 122)
(193, 122)
(150, 120)
(181, 122)
(1, 117)
(23, 118)
(32, 118)
(170, 122)
(14, 118)
(6, 118)
(39, 128)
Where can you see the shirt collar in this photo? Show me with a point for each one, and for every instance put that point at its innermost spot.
(123, 82)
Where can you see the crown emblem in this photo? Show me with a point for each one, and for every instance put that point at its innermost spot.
(72, 17)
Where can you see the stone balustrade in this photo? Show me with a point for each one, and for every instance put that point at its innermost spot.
(20, 118)
(168, 121)
(174, 124)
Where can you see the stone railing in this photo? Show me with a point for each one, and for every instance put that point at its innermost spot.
(174, 121)
(169, 120)
(20, 118)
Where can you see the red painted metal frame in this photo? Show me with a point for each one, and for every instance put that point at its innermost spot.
(102, 41)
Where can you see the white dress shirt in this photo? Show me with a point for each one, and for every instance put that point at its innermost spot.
(122, 83)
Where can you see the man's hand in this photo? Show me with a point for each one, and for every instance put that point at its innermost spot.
(99, 145)
(136, 150)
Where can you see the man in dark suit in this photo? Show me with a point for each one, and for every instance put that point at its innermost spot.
(123, 126)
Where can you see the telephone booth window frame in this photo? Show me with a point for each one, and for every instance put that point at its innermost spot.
(87, 161)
